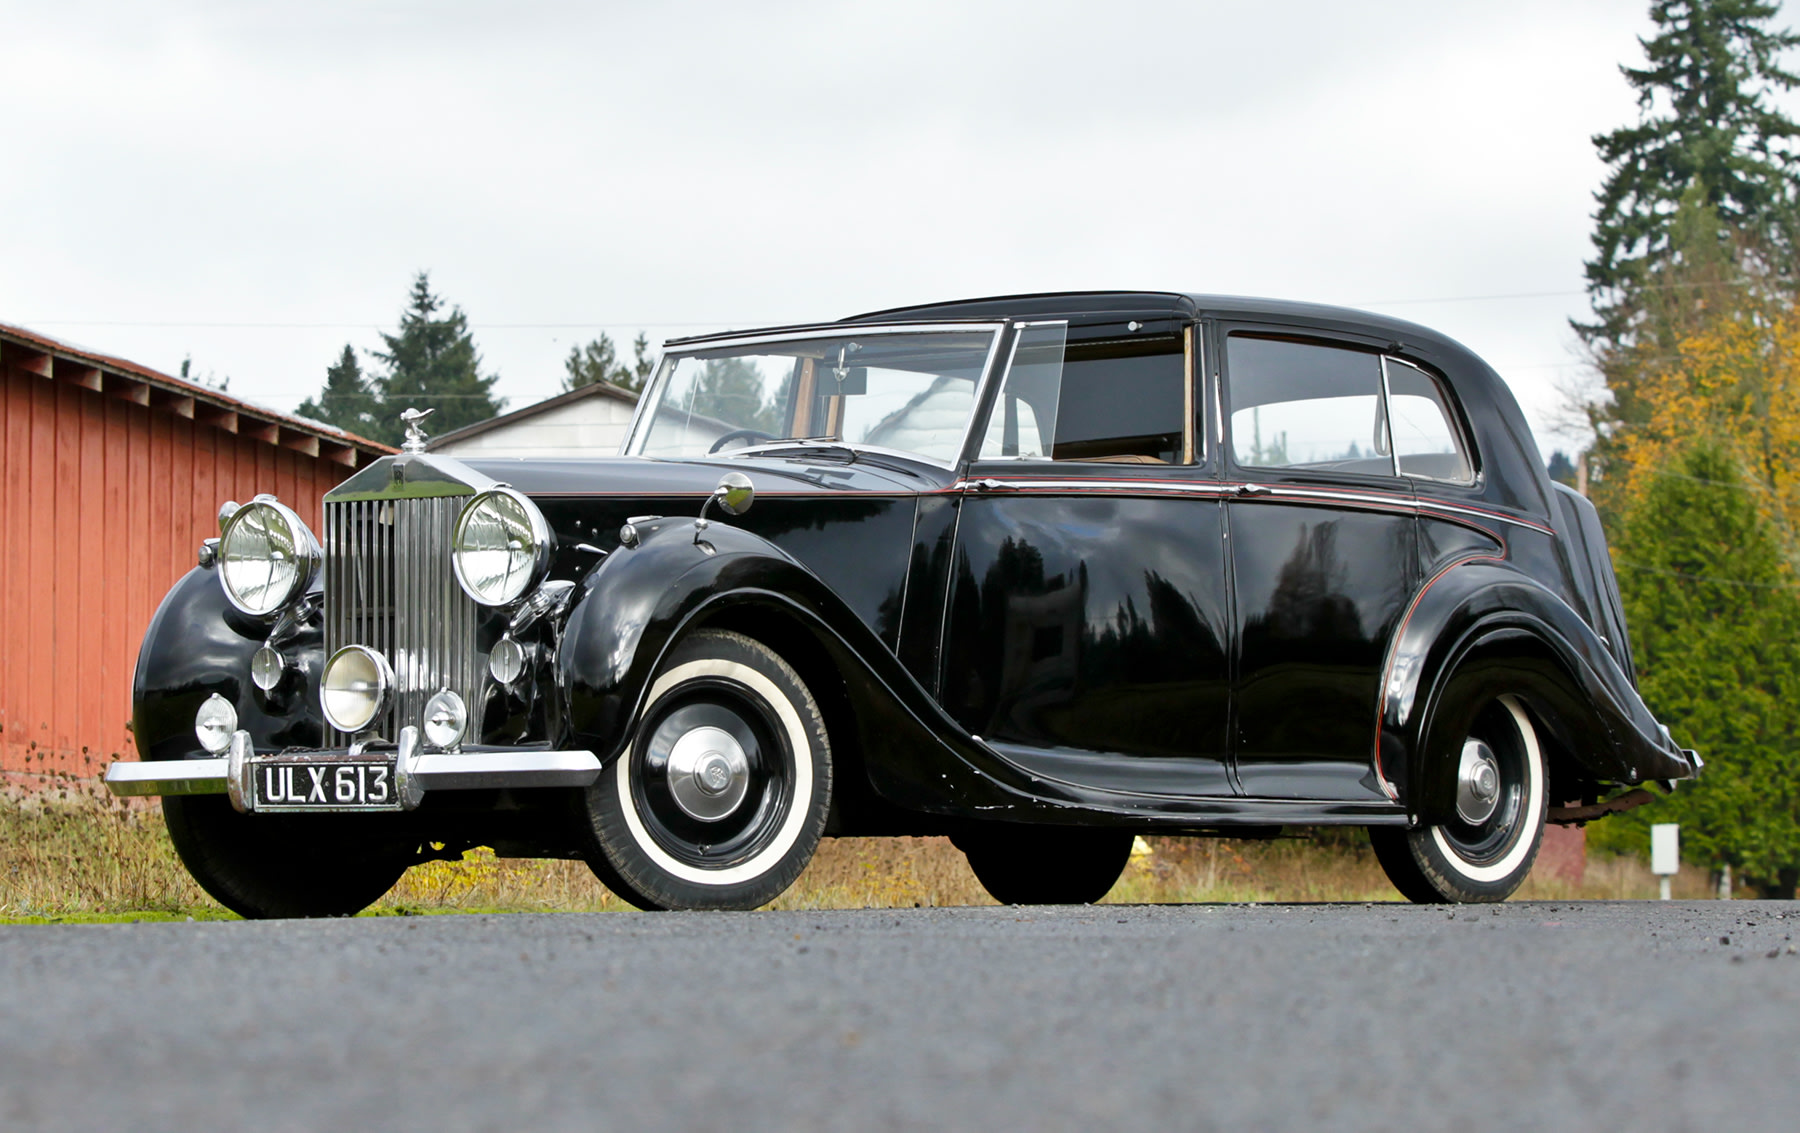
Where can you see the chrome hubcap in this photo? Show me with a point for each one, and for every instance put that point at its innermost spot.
(708, 773)
(1477, 783)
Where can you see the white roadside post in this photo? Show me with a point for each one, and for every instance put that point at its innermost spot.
(1665, 852)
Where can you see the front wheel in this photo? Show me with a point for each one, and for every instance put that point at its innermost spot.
(264, 866)
(1046, 865)
(722, 797)
(1485, 851)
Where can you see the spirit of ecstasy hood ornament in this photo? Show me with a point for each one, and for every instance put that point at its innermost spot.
(415, 432)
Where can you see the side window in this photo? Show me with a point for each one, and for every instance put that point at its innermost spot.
(1116, 400)
(1424, 439)
(1302, 405)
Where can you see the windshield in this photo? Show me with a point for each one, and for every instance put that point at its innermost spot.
(911, 391)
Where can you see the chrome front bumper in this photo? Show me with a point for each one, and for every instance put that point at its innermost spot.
(415, 771)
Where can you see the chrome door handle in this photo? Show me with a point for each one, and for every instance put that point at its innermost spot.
(1254, 489)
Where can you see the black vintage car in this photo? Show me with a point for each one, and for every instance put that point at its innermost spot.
(1040, 573)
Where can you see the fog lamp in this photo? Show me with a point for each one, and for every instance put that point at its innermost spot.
(354, 688)
(445, 718)
(214, 723)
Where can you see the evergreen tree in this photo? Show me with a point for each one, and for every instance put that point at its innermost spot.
(599, 361)
(1705, 124)
(346, 400)
(1713, 613)
(731, 390)
(1561, 468)
(431, 363)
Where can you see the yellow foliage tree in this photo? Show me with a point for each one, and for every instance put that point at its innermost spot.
(1735, 383)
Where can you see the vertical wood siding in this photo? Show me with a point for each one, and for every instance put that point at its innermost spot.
(103, 505)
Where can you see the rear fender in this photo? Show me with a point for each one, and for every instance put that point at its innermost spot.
(1481, 627)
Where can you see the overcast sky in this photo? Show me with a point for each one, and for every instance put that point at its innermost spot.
(256, 184)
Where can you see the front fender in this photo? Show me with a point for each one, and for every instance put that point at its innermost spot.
(641, 600)
(633, 606)
(199, 644)
(1531, 643)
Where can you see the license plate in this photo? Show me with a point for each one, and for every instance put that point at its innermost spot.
(324, 784)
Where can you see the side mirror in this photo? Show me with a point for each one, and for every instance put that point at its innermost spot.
(735, 493)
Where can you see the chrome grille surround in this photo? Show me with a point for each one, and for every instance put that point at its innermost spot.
(389, 585)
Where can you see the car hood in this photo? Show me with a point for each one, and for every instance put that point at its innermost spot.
(828, 470)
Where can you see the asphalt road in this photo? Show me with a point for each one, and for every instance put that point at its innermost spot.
(1574, 1016)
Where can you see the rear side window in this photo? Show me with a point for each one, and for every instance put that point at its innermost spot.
(1305, 405)
(1424, 439)
(1301, 405)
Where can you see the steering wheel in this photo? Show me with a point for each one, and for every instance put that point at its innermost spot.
(752, 434)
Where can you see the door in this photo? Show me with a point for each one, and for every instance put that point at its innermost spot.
(1322, 530)
(1087, 619)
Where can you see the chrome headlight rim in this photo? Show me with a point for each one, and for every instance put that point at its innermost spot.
(215, 710)
(446, 721)
(541, 547)
(308, 554)
(384, 688)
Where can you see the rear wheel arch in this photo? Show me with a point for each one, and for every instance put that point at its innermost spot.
(1504, 659)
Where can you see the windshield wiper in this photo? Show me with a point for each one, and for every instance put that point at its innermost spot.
(852, 453)
(813, 443)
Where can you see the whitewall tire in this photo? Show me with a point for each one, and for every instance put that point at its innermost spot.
(722, 796)
(1488, 847)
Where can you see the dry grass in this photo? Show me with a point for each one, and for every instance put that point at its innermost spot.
(74, 851)
(75, 848)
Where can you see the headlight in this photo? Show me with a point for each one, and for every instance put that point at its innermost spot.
(501, 548)
(354, 687)
(267, 557)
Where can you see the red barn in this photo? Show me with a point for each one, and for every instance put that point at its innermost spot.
(112, 475)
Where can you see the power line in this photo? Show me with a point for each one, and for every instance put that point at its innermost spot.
(169, 325)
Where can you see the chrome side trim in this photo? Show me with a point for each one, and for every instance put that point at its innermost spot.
(168, 777)
(1293, 493)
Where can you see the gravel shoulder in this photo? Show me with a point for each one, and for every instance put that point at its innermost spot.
(1563, 1016)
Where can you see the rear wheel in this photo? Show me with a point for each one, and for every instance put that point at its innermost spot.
(263, 866)
(1485, 851)
(721, 799)
(1046, 865)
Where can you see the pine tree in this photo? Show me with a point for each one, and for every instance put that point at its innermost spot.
(1713, 612)
(346, 400)
(1705, 121)
(431, 363)
(599, 361)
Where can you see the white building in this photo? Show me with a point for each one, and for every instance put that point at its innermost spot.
(589, 421)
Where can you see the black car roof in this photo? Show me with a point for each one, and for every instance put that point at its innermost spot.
(1167, 304)
(1114, 305)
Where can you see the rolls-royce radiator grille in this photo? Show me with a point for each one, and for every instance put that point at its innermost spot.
(389, 585)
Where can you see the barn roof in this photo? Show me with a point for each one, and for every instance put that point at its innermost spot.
(116, 377)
